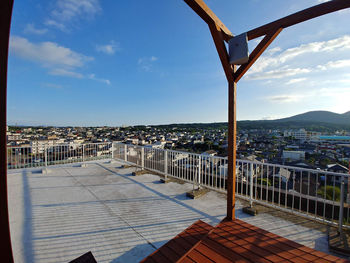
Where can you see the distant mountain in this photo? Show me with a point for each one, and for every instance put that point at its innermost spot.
(346, 113)
(319, 116)
(323, 121)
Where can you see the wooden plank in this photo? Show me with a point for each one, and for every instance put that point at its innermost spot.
(182, 243)
(170, 254)
(213, 253)
(177, 248)
(86, 258)
(209, 17)
(187, 260)
(236, 245)
(159, 257)
(301, 16)
(198, 257)
(229, 253)
(257, 245)
(217, 35)
(260, 48)
(5, 23)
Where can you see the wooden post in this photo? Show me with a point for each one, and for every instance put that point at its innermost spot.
(232, 135)
(5, 22)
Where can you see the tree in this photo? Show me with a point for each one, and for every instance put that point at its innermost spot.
(328, 192)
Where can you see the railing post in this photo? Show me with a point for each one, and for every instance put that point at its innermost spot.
(251, 184)
(199, 171)
(112, 149)
(125, 152)
(83, 153)
(341, 208)
(142, 158)
(45, 153)
(165, 164)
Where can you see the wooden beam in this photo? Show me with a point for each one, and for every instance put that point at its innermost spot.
(217, 35)
(5, 23)
(301, 16)
(231, 149)
(209, 17)
(260, 48)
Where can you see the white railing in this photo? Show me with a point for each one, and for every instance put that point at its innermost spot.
(316, 194)
(45, 155)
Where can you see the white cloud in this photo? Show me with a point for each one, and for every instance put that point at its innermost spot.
(146, 63)
(272, 60)
(285, 98)
(61, 61)
(335, 64)
(109, 49)
(65, 73)
(277, 74)
(93, 77)
(66, 11)
(53, 23)
(296, 80)
(48, 54)
(273, 51)
(31, 29)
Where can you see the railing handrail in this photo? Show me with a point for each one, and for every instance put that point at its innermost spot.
(297, 168)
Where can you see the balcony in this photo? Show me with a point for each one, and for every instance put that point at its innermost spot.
(86, 200)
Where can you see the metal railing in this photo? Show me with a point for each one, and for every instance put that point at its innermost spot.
(45, 155)
(316, 194)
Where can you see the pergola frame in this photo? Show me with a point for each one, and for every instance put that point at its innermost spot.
(220, 33)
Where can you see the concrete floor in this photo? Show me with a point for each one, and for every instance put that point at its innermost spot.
(61, 215)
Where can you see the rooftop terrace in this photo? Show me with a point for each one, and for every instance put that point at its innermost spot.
(58, 216)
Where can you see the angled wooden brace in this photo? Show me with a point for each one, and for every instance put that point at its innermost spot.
(260, 48)
(218, 38)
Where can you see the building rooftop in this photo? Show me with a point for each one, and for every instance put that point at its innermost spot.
(58, 216)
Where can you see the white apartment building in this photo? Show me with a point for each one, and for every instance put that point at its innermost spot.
(39, 145)
(303, 135)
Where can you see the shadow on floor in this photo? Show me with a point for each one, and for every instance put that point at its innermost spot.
(137, 253)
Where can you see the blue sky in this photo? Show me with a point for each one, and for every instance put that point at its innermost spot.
(94, 62)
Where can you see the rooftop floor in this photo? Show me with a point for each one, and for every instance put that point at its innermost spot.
(61, 215)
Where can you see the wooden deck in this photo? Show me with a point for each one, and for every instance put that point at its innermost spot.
(234, 241)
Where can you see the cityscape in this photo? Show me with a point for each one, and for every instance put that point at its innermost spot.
(292, 147)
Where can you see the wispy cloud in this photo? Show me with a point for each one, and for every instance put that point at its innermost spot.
(335, 64)
(277, 74)
(109, 49)
(146, 63)
(48, 54)
(31, 29)
(59, 60)
(53, 86)
(275, 60)
(93, 77)
(284, 98)
(65, 73)
(67, 11)
(292, 81)
(53, 23)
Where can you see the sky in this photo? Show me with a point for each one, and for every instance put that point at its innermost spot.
(137, 62)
